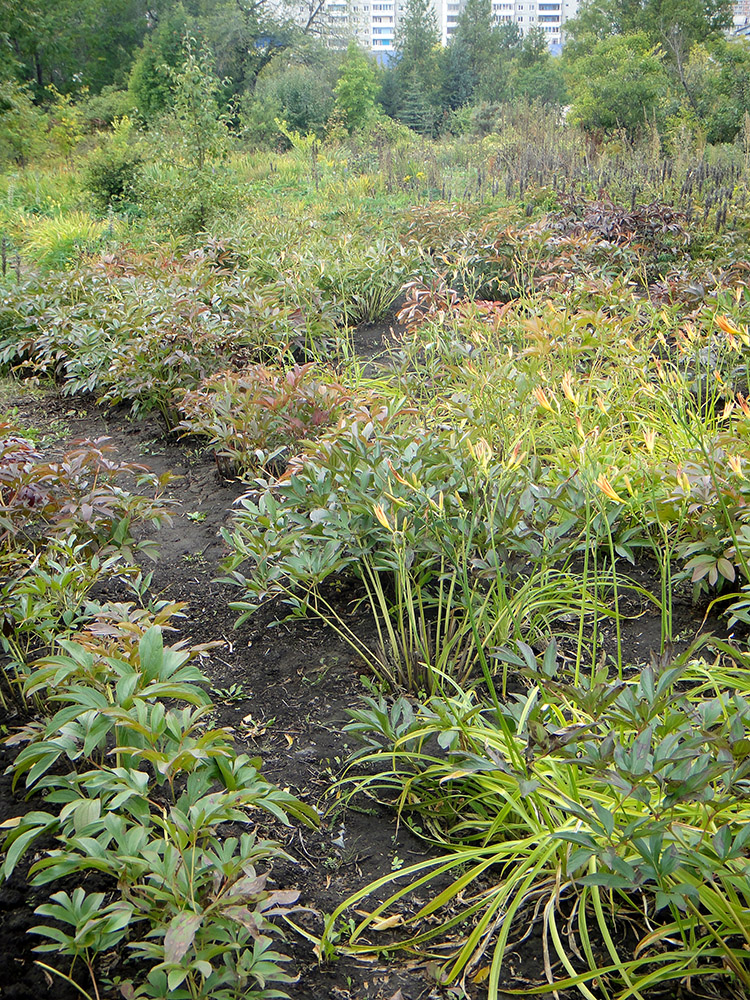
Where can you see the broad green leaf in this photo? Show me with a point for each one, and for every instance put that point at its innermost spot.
(151, 651)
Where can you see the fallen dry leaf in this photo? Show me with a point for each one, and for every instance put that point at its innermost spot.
(387, 923)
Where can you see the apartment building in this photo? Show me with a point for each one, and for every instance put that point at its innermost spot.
(549, 15)
(374, 23)
(740, 17)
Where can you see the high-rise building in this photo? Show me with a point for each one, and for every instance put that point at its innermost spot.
(549, 15)
(740, 16)
(373, 23)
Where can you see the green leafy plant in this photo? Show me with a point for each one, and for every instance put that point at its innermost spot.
(255, 417)
(193, 904)
(112, 170)
(94, 926)
(431, 533)
(64, 525)
(598, 797)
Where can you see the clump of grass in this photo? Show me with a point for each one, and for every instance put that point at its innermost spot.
(573, 807)
(61, 241)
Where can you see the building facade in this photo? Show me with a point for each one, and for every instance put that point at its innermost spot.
(549, 15)
(373, 23)
(741, 18)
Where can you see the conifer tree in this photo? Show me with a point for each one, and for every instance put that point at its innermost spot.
(418, 68)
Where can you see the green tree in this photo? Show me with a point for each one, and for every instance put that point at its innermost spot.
(459, 79)
(356, 88)
(542, 81)
(151, 81)
(510, 37)
(720, 81)
(418, 71)
(533, 49)
(22, 124)
(415, 109)
(659, 20)
(494, 85)
(417, 36)
(474, 48)
(18, 23)
(189, 184)
(244, 36)
(203, 129)
(389, 97)
(75, 43)
(535, 74)
(618, 85)
(293, 92)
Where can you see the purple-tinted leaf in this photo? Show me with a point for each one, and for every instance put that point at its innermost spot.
(181, 935)
(284, 897)
(249, 886)
(242, 915)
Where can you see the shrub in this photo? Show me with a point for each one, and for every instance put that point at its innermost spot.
(297, 95)
(255, 417)
(106, 107)
(23, 126)
(111, 173)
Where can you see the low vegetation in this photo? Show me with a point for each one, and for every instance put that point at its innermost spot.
(550, 454)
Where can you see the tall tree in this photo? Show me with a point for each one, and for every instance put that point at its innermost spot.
(417, 37)
(618, 85)
(535, 74)
(196, 108)
(417, 71)
(192, 187)
(693, 20)
(474, 48)
(356, 88)
(74, 43)
(151, 78)
(459, 79)
(493, 86)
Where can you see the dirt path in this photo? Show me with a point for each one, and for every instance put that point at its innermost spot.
(283, 688)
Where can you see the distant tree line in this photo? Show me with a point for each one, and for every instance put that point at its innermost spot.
(628, 65)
